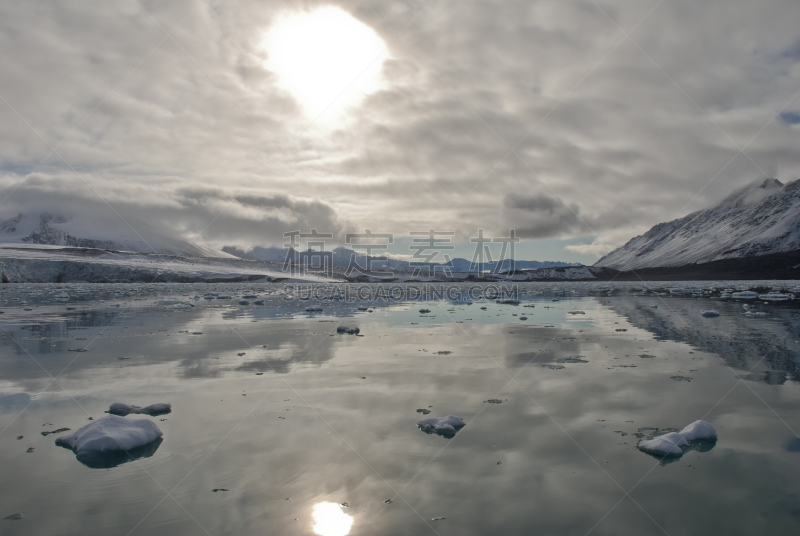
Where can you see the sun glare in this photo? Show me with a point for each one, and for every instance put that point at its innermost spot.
(329, 520)
(318, 55)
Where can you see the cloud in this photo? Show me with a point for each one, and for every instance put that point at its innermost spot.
(212, 216)
(541, 215)
(545, 102)
(598, 249)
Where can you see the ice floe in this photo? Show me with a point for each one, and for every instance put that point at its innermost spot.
(675, 444)
(112, 440)
(698, 430)
(443, 426)
(121, 409)
(710, 313)
(666, 445)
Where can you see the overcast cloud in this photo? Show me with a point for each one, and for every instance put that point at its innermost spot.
(610, 135)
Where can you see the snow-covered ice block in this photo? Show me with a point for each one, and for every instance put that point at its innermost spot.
(710, 313)
(121, 409)
(666, 445)
(444, 426)
(698, 430)
(111, 433)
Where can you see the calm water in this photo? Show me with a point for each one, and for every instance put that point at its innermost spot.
(295, 420)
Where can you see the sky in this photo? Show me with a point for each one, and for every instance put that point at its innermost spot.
(579, 124)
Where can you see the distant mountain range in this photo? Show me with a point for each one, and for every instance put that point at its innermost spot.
(112, 234)
(343, 257)
(758, 225)
(754, 233)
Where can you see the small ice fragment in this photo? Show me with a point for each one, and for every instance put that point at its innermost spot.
(348, 330)
(698, 430)
(46, 433)
(443, 426)
(710, 313)
(153, 409)
(423, 411)
(424, 311)
(666, 445)
(15, 517)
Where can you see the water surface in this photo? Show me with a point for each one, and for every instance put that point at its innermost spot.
(310, 431)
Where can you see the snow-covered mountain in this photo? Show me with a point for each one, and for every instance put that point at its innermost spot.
(90, 232)
(760, 219)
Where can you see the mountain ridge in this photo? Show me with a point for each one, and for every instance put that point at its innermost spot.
(761, 218)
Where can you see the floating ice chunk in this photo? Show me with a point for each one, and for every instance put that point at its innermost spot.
(112, 440)
(746, 295)
(175, 304)
(774, 296)
(666, 445)
(153, 409)
(347, 330)
(699, 435)
(698, 430)
(710, 313)
(444, 426)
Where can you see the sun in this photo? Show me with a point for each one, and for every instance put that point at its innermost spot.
(325, 58)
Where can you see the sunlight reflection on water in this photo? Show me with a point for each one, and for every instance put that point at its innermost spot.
(329, 520)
